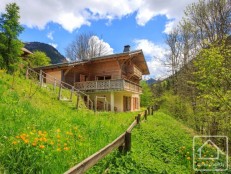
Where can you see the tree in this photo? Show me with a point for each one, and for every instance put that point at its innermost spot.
(38, 58)
(211, 19)
(86, 46)
(146, 96)
(213, 81)
(10, 46)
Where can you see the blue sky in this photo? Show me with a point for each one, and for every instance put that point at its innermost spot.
(142, 24)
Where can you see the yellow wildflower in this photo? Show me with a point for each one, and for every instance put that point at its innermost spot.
(58, 130)
(14, 142)
(41, 146)
(26, 141)
(40, 132)
(66, 148)
(58, 149)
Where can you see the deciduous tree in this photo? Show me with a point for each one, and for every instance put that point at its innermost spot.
(38, 58)
(85, 46)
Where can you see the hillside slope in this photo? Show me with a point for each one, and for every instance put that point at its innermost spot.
(39, 134)
(159, 145)
(50, 51)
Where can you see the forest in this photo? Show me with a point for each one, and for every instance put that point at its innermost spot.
(198, 92)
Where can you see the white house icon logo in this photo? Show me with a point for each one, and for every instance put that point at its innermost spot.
(207, 156)
(212, 144)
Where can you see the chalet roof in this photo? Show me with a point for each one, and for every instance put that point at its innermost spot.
(137, 57)
(26, 51)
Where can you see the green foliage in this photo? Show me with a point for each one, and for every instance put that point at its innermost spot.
(38, 58)
(154, 149)
(50, 51)
(10, 46)
(178, 107)
(146, 96)
(212, 79)
(204, 101)
(39, 134)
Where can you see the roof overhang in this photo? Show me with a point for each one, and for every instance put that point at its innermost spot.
(136, 56)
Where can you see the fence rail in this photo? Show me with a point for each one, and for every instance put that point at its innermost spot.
(44, 77)
(123, 142)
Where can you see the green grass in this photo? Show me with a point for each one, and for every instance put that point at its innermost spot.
(159, 145)
(39, 134)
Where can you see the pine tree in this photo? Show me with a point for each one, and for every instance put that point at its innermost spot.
(10, 46)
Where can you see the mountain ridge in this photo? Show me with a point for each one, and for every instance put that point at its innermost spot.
(51, 52)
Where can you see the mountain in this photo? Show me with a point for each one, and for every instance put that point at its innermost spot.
(151, 81)
(50, 51)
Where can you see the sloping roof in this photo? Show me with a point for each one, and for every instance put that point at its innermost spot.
(137, 55)
(26, 51)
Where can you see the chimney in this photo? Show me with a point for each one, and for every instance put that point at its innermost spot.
(126, 48)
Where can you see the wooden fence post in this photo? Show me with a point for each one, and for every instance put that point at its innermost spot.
(149, 110)
(152, 110)
(104, 105)
(145, 114)
(88, 101)
(95, 103)
(54, 87)
(92, 105)
(77, 102)
(138, 118)
(107, 106)
(60, 91)
(127, 146)
(27, 73)
(72, 90)
(41, 77)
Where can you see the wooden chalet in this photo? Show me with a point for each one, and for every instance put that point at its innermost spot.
(114, 77)
(25, 53)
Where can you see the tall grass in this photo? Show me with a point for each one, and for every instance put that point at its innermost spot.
(39, 134)
(159, 145)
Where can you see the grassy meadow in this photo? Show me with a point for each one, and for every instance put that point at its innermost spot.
(39, 134)
(160, 145)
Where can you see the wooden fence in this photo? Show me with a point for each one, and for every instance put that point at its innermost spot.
(42, 76)
(123, 143)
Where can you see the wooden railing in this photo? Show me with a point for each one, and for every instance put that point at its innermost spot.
(123, 143)
(119, 84)
(43, 77)
(132, 69)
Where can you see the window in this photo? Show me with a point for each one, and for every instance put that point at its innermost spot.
(103, 77)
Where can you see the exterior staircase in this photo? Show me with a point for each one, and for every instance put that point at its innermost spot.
(57, 87)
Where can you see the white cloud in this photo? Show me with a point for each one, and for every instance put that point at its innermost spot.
(50, 35)
(155, 56)
(106, 48)
(72, 14)
(169, 26)
(53, 45)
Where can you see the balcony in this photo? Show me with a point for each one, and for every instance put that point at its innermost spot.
(102, 85)
(134, 71)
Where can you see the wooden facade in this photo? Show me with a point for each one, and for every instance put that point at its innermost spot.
(114, 77)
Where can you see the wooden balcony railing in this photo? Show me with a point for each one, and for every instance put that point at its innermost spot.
(119, 84)
(132, 69)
